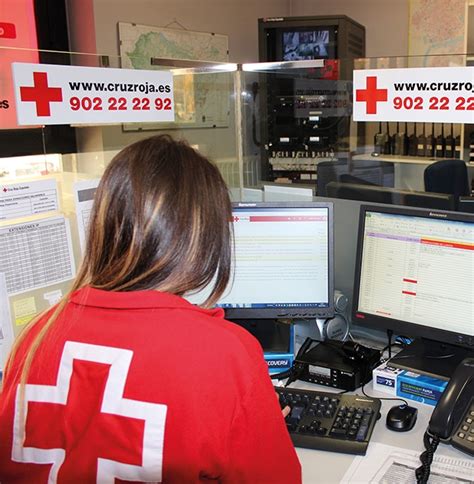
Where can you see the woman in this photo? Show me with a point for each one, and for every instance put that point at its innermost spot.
(125, 380)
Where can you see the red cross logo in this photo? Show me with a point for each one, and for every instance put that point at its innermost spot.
(5, 189)
(41, 94)
(371, 95)
(84, 426)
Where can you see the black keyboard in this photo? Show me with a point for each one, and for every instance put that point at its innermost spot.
(328, 421)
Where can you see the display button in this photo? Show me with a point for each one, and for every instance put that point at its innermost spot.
(461, 435)
(465, 428)
(470, 438)
(469, 420)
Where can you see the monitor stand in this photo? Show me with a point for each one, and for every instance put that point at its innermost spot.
(431, 358)
(273, 335)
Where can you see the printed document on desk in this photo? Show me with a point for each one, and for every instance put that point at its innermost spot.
(385, 464)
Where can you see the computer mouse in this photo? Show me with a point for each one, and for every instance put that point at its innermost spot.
(401, 418)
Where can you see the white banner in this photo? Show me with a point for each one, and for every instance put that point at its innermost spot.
(427, 94)
(54, 94)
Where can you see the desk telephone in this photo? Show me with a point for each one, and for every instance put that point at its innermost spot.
(452, 420)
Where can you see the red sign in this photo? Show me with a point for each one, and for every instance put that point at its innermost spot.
(7, 30)
(41, 94)
(371, 95)
(19, 44)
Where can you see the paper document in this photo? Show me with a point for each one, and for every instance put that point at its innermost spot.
(36, 254)
(385, 464)
(28, 198)
(6, 330)
(84, 192)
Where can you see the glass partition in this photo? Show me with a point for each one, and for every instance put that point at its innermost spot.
(277, 131)
(48, 173)
(299, 132)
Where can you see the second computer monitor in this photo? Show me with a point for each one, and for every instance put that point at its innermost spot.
(415, 276)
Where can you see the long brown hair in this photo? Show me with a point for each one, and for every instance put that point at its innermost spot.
(161, 220)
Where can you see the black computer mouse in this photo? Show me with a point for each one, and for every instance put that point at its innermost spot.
(401, 418)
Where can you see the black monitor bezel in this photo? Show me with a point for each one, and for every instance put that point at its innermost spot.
(398, 326)
(300, 312)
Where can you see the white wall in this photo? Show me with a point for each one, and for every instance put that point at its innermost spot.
(235, 18)
(385, 21)
(238, 19)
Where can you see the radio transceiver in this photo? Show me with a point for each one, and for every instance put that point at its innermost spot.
(346, 365)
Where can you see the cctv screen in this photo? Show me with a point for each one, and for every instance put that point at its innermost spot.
(305, 45)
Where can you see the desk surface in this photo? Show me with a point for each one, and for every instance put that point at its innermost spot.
(320, 467)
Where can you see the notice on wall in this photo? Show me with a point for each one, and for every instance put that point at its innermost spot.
(24, 310)
(28, 198)
(55, 94)
(6, 330)
(53, 297)
(84, 192)
(36, 254)
(426, 94)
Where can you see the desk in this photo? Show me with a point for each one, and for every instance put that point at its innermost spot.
(408, 169)
(320, 467)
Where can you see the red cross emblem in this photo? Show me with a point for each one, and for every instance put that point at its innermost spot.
(84, 426)
(41, 94)
(371, 95)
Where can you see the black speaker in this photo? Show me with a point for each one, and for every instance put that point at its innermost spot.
(337, 327)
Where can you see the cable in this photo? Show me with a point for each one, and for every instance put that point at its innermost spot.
(282, 375)
(384, 398)
(426, 458)
(389, 336)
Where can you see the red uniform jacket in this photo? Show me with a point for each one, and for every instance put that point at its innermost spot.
(143, 387)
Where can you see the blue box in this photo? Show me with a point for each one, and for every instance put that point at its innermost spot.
(384, 378)
(421, 388)
(281, 361)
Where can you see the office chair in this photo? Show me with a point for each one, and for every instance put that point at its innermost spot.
(347, 178)
(447, 176)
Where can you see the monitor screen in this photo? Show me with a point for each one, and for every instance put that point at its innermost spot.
(306, 44)
(283, 261)
(415, 273)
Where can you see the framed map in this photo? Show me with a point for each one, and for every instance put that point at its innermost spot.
(200, 100)
(437, 28)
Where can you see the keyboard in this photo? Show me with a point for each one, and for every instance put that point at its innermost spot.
(328, 421)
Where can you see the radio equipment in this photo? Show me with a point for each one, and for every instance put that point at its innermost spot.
(346, 365)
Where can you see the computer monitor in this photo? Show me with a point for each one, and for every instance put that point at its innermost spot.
(466, 204)
(376, 194)
(415, 276)
(283, 261)
(366, 172)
